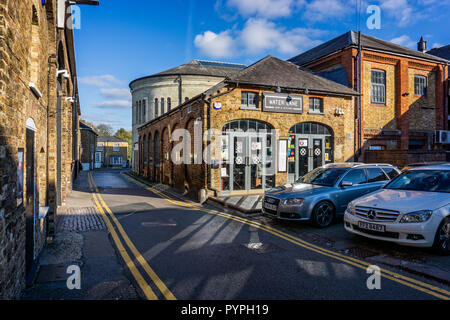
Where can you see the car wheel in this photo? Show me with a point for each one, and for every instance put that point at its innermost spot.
(323, 214)
(442, 239)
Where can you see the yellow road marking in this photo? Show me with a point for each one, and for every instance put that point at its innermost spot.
(410, 282)
(151, 273)
(148, 292)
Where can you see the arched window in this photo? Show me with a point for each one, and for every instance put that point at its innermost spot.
(157, 155)
(169, 104)
(150, 150)
(162, 106)
(311, 128)
(156, 107)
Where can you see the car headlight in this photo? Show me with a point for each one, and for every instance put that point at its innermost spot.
(417, 217)
(351, 209)
(294, 202)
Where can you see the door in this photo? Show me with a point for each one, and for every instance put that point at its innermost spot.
(307, 155)
(30, 200)
(247, 162)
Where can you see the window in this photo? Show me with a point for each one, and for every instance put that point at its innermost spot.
(249, 100)
(169, 104)
(162, 106)
(186, 99)
(357, 176)
(144, 110)
(136, 112)
(116, 147)
(156, 107)
(145, 152)
(100, 147)
(115, 160)
(315, 105)
(378, 87)
(420, 86)
(391, 172)
(376, 175)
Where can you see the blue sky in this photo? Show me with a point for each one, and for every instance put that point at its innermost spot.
(120, 41)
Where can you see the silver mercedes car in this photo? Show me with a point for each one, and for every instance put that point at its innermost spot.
(325, 192)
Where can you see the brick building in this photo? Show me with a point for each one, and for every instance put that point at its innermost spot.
(157, 94)
(111, 152)
(39, 112)
(269, 123)
(404, 96)
(88, 146)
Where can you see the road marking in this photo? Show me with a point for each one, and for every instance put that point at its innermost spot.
(407, 281)
(150, 272)
(148, 292)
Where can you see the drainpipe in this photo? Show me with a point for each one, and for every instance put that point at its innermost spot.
(358, 108)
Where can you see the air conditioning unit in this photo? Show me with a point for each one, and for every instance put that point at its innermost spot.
(443, 137)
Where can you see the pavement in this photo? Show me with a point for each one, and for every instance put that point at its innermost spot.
(81, 240)
(163, 246)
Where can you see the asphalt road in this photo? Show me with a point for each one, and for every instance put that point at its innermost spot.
(198, 254)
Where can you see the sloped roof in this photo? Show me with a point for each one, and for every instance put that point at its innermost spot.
(109, 139)
(351, 39)
(84, 126)
(274, 72)
(200, 68)
(442, 52)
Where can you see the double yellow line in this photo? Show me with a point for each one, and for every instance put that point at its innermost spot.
(109, 216)
(404, 280)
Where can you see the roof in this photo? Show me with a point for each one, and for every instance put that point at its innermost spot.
(351, 39)
(442, 52)
(110, 139)
(84, 126)
(274, 72)
(200, 68)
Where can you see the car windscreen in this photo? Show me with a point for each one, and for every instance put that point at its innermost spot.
(422, 180)
(323, 176)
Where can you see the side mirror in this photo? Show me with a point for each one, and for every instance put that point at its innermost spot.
(346, 184)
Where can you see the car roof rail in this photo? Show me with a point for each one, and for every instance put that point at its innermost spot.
(343, 164)
(376, 165)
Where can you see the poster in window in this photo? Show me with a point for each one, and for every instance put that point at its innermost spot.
(20, 157)
(282, 155)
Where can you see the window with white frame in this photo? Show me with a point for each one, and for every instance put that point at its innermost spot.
(420, 86)
(315, 105)
(115, 160)
(378, 92)
(249, 100)
(116, 147)
(100, 147)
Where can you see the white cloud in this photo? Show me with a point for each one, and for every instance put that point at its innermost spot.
(113, 104)
(400, 10)
(259, 35)
(115, 93)
(215, 45)
(436, 45)
(269, 9)
(99, 81)
(320, 10)
(405, 41)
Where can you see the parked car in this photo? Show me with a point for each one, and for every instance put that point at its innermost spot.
(412, 210)
(421, 164)
(326, 191)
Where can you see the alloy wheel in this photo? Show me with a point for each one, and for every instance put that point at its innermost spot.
(323, 214)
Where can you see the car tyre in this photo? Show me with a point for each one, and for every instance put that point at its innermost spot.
(442, 239)
(323, 214)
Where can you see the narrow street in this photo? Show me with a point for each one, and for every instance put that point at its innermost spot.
(174, 249)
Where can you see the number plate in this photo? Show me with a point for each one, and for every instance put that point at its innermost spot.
(269, 206)
(372, 226)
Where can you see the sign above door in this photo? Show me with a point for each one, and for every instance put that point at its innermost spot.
(282, 103)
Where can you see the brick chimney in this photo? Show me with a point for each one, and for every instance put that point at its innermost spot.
(422, 45)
